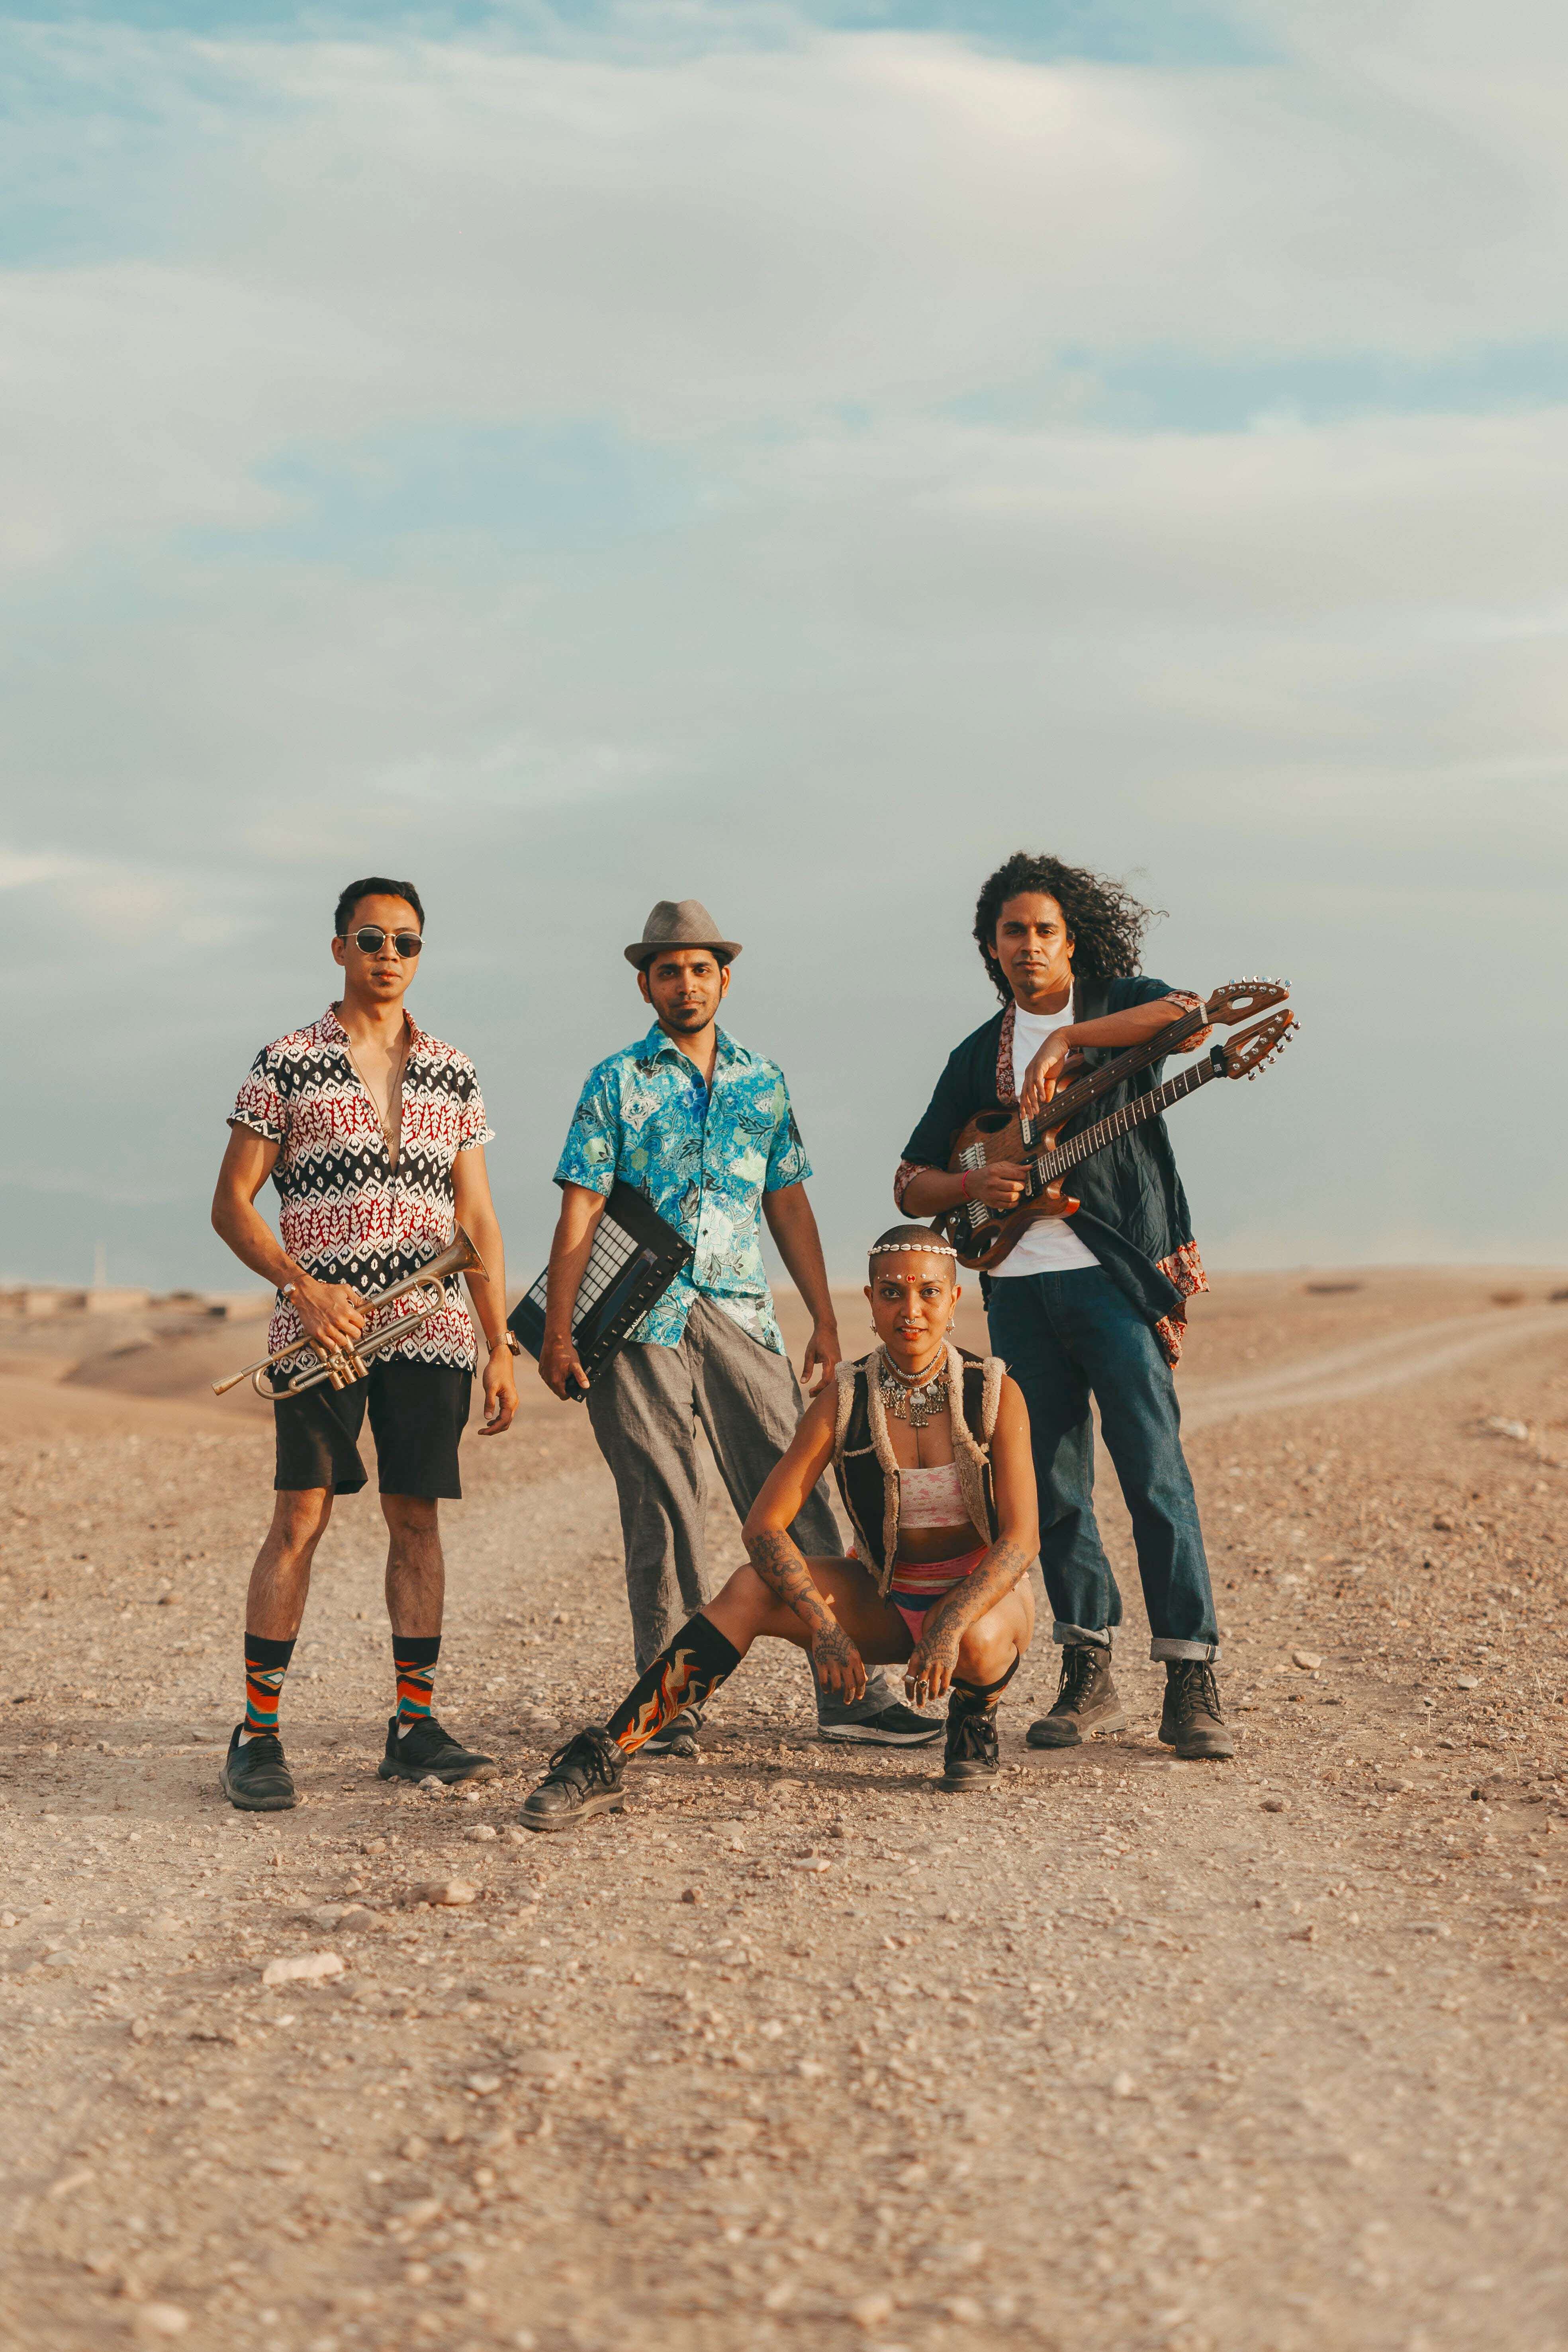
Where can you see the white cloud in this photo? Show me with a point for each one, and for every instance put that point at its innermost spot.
(403, 230)
(1309, 677)
(21, 869)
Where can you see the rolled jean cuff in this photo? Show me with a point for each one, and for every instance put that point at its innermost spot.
(1207, 1651)
(1081, 1637)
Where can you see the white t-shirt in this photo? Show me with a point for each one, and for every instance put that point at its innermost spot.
(1049, 1245)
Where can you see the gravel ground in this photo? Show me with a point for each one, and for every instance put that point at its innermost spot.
(799, 2051)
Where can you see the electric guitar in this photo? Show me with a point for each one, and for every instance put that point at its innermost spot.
(982, 1236)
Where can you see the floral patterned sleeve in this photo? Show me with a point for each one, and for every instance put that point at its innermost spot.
(259, 1104)
(788, 1162)
(593, 1141)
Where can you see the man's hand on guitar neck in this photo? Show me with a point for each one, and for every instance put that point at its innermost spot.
(1057, 1059)
(1130, 1027)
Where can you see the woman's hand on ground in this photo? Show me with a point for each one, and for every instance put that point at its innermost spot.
(929, 1673)
(839, 1667)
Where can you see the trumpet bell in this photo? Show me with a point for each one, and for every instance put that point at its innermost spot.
(459, 1256)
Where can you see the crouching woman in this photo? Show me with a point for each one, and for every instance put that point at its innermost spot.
(931, 1449)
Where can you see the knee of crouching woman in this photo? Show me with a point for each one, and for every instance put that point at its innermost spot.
(745, 1589)
(988, 1648)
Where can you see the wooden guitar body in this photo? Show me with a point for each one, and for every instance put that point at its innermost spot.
(990, 1136)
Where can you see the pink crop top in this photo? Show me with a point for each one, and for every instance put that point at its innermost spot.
(932, 1498)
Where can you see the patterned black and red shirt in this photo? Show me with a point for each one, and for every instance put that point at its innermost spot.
(347, 1215)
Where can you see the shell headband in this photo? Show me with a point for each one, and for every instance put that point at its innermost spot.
(935, 1248)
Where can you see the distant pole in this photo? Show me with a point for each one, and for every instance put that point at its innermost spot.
(100, 1265)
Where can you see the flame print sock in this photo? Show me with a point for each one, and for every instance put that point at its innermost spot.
(688, 1673)
(415, 1656)
(266, 1663)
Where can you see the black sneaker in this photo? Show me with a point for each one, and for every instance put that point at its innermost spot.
(429, 1750)
(583, 1779)
(255, 1777)
(971, 1744)
(1085, 1702)
(891, 1726)
(678, 1737)
(1190, 1721)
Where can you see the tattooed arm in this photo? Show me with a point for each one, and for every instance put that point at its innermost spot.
(931, 1662)
(779, 1561)
(781, 1565)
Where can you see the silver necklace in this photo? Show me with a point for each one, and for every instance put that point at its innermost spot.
(916, 1400)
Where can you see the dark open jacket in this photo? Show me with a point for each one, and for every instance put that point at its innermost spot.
(1135, 1212)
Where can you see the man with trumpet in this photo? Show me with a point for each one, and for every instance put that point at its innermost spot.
(373, 1134)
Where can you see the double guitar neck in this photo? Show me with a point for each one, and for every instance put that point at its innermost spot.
(1078, 1096)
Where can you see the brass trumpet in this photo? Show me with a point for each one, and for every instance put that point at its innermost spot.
(349, 1364)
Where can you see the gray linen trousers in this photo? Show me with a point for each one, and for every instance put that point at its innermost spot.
(647, 1405)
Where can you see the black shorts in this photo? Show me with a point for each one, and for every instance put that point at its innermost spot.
(418, 1416)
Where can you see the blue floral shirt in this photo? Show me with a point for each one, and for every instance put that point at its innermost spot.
(704, 1157)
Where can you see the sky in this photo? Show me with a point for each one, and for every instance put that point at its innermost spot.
(792, 455)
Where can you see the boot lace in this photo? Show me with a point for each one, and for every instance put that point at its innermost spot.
(1197, 1690)
(1080, 1664)
(971, 1732)
(588, 1755)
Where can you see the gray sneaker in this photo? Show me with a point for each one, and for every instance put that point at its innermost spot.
(891, 1726)
(678, 1737)
(1085, 1702)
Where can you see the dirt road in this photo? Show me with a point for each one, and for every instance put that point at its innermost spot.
(801, 2052)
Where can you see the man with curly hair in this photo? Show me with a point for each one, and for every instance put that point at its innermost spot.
(1089, 1302)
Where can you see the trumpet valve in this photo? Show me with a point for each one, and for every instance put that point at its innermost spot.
(354, 1365)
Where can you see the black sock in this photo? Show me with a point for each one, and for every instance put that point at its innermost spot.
(981, 1694)
(685, 1675)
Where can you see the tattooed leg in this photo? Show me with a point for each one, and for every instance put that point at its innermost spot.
(685, 1675)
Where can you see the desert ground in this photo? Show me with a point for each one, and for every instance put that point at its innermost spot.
(799, 2051)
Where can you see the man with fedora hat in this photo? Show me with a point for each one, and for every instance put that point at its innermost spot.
(703, 1127)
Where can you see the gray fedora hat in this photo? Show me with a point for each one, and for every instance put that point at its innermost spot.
(679, 923)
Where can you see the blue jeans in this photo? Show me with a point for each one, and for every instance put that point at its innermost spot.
(1066, 1338)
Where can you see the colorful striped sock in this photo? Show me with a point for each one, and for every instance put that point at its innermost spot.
(415, 1656)
(266, 1663)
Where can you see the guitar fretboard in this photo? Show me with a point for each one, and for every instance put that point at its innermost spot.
(1045, 1170)
(1052, 1165)
(1078, 1096)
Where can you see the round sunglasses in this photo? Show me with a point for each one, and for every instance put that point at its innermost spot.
(369, 939)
